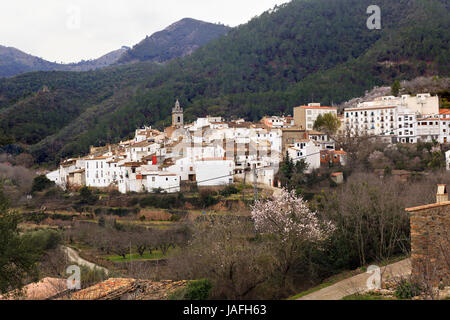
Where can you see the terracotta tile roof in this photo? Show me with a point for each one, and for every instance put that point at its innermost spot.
(317, 107)
(336, 174)
(315, 133)
(429, 206)
(132, 164)
(129, 289)
(444, 111)
(114, 161)
(142, 144)
(41, 290)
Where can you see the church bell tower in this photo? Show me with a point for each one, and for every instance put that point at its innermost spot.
(177, 115)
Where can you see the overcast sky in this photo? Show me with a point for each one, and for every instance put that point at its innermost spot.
(72, 30)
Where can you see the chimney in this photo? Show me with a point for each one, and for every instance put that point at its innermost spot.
(442, 194)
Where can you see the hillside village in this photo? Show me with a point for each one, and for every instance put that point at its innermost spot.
(215, 152)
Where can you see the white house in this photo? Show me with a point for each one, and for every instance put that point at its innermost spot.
(266, 176)
(142, 149)
(201, 151)
(214, 171)
(60, 176)
(184, 168)
(54, 176)
(322, 140)
(166, 182)
(308, 151)
(98, 173)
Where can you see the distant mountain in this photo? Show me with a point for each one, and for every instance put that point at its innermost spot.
(14, 62)
(178, 40)
(102, 62)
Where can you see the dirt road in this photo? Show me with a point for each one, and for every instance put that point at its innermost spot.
(357, 283)
(74, 257)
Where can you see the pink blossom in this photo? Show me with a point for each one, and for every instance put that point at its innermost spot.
(289, 216)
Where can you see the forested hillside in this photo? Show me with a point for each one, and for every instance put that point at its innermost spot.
(305, 50)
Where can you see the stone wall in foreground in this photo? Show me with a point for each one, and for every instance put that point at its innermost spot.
(430, 243)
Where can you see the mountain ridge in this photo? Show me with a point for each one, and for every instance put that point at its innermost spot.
(179, 39)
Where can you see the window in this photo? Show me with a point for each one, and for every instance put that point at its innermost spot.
(153, 179)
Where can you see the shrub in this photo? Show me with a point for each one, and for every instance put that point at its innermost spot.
(160, 201)
(41, 183)
(87, 197)
(175, 217)
(195, 290)
(229, 190)
(206, 198)
(44, 240)
(198, 290)
(407, 289)
(101, 222)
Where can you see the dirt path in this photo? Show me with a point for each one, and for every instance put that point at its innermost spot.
(74, 257)
(357, 283)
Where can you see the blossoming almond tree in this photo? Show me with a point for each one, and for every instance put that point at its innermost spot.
(292, 227)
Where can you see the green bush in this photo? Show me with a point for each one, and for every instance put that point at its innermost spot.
(87, 196)
(121, 212)
(43, 240)
(194, 290)
(229, 190)
(206, 198)
(160, 201)
(175, 217)
(198, 290)
(407, 290)
(101, 222)
(41, 183)
(36, 217)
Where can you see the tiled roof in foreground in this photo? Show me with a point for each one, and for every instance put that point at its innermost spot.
(429, 206)
(128, 289)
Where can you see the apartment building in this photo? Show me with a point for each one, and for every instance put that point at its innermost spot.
(306, 116)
